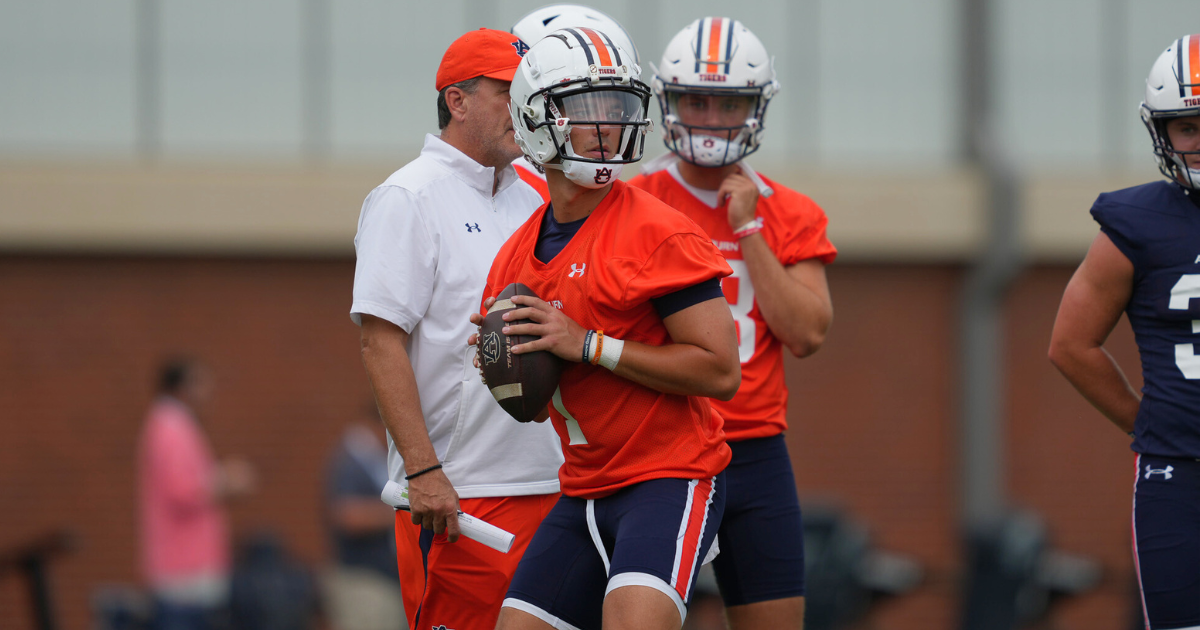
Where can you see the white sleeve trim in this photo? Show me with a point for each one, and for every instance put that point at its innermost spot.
(405, 321)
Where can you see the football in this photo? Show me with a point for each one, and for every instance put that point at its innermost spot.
(523, 384)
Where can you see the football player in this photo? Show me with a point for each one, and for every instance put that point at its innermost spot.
(541, 22)
(714, 84)
(631, 296)
(1145, 262)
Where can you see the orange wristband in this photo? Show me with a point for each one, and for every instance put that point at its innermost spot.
(599, 347)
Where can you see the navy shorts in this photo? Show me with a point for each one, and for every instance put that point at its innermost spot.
(1166, 540)
(656, 533)
(761, 535)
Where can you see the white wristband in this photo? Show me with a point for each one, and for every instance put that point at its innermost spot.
(756, 222)
(611, 352)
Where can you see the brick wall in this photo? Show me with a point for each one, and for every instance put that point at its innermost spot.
(873, 413)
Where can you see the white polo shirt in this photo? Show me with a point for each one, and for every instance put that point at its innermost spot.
(426, 239)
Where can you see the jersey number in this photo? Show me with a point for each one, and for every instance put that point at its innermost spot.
(740, 295)
(1184, 291)
(574, 432)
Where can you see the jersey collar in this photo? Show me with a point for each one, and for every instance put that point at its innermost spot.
(473, 173)
(670, 159)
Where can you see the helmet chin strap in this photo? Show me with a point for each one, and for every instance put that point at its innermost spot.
(712, 152)
(1187, 177)
(586, 174)
(708, 151)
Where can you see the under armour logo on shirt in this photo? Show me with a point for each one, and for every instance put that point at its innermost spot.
(577, 270)
(473, 228)
(1165, 472)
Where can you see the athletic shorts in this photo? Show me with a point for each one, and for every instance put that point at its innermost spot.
(1166, 540)
(655, 533)
(761, 535)
(461, 585)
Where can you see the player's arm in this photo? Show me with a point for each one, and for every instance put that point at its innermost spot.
(1090, 308)
(794, 300)
(701, 361)
(433, 499)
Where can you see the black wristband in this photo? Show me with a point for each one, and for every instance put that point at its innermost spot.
(587, 341)
(422, 472)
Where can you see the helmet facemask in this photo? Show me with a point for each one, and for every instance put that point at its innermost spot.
(732, 123)
(1172, 162)
(605, 117)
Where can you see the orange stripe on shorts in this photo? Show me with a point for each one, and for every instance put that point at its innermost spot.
(601, 48)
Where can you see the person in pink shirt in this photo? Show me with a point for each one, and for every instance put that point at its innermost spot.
(184, 534)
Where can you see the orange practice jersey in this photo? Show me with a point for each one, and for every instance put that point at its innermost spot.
(794, 228)
(615, 432)
(526, 172)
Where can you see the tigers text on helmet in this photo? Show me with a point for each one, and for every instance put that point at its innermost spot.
(541, 22)
(714, 85)
(578, 106)
(1173, 91)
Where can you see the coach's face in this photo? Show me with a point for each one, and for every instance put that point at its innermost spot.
(489, 125)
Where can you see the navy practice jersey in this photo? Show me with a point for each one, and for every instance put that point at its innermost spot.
(1157, 227)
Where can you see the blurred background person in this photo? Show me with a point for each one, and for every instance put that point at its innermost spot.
(185, 543)
(362, 589)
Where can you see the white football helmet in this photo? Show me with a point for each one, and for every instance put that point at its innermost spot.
(719, 57)
(1173, 91)
(577, 80)
(541, 22)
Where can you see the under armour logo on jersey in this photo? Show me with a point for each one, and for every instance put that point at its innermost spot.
(441, 627)
(473, 228)
(603, 175)
(577, 270)
(1165, 472)
(521, 47)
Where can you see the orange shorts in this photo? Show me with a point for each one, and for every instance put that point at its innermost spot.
(462, 585)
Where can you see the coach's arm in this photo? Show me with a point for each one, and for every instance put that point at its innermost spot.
(432, 497)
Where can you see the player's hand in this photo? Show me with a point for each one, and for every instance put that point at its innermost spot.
(742, 194)
(474, 340)
(434, 504)
(559, 333)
